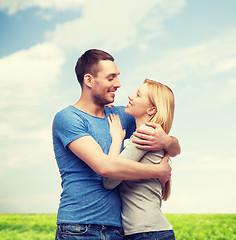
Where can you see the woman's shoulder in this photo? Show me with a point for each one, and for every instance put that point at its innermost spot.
(144, 126)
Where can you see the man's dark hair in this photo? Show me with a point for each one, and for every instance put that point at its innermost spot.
(89, 63)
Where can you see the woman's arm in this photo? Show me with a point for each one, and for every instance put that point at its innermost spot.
(116, 167)
(117, 134)
(130, 151)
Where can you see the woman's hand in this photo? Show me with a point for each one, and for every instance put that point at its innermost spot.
(116, 130)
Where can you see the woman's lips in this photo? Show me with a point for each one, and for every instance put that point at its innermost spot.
(129, 105)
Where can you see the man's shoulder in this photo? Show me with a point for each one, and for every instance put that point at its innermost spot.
(69, 111)
(68, 115)
(61, 114)
(64, 110)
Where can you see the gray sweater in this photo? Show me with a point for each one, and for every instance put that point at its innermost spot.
(141, 199)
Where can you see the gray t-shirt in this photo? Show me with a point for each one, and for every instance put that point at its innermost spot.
(141, 199)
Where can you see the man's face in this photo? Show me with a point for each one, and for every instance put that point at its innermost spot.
(105, 83)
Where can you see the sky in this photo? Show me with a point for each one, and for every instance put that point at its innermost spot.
(189, 46)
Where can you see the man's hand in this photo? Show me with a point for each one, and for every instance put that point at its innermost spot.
(151, 139)
(155, 138)
(166, 170)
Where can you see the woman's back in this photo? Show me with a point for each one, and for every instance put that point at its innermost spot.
(141, 199)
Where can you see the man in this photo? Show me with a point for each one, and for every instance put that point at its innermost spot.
(81, 139)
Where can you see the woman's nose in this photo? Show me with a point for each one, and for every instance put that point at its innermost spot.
(131, 96)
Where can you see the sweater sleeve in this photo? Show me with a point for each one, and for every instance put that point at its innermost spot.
(130, 152)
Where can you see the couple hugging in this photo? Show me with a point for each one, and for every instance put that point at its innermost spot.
(108, 191)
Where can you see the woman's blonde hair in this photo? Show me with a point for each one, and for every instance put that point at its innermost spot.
(162, 98)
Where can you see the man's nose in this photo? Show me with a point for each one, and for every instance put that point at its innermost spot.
(117, 83)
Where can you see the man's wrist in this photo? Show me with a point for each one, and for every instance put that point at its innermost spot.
(168, 143)
(172, 147)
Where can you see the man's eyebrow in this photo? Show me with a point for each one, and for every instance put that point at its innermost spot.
(113, 74)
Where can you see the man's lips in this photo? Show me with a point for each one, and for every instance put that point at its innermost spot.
(112, 94)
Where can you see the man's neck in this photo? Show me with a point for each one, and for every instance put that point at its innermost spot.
(90, 108)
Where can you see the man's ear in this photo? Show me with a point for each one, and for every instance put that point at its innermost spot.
(88, 80)
(151, 111)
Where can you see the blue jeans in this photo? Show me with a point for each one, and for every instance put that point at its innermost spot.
(88, 232)
(159, 235)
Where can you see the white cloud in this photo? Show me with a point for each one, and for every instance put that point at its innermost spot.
(167, 7)
(205, 70)
(202, 183)
(31, 203)
(25, 147)
(183, 64)
(225, 65)
(201, 198)
(171, 8)
(28, 78)
(113, 25)
(228, 92)
(14, 6)
(200, 161)
(27, 75)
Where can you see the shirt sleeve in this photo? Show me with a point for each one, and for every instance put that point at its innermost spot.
(69, 127)
(130, 152)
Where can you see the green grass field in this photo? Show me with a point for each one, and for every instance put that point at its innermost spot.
(186, 226)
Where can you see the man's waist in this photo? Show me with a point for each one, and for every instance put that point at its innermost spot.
(63, 226)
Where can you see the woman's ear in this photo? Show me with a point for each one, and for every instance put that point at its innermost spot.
(151, 111)
(88, 80)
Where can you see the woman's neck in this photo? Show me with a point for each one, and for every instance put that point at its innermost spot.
(141, 121)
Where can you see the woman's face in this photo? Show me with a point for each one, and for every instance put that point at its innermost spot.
(139, 103)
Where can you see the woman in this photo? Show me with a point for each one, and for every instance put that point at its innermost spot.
(141, 199)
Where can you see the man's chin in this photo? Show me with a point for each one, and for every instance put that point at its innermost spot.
(111, 100)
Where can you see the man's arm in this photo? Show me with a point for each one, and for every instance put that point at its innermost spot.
(87, 149)
(156, 139)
